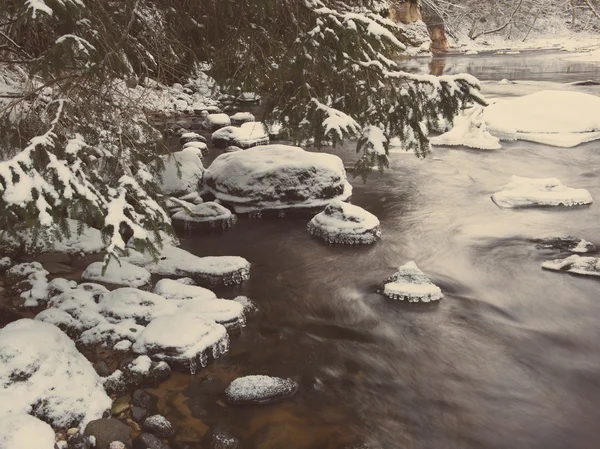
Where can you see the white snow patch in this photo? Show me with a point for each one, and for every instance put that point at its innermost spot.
(22, 431)
(140, 365)
(589, 266)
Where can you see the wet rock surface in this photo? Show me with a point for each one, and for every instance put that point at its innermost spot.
(148, 441)
(259, 389)
(159, 426)
(107, 430)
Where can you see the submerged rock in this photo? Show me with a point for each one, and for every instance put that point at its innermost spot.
(410, 283)
(117, 272)
(40, 367)
(259, 389)
(571, 244)
(277, 177)
(345, 223)
(534, 192)
(148, 441)
(182, 172)
(209, 215)
(249, 134)
(589, 266)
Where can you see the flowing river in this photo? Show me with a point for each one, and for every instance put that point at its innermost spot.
(510, 358)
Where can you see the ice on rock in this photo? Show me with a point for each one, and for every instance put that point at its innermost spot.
(23, 431)
(191, 137)
(410, 283)
(249, 134)
(571, 244)
(589, 266)
(199, 146)
(470, 131)
(176, 262)
(207, 215)
(117, 272)
(182, 172)
(532, 192)
(259, 389)
(183, 340)
(275, 177)
(108, 334)
(133, 304)
(249, 306)
(170, 289)
(241, 117)
(345, 223)
(558, 118)
(216, 121)
(39, 370)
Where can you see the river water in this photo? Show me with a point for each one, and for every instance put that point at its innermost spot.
(510, 358)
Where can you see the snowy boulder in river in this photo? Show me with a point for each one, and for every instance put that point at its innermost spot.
(469, 130)
(216, 121)
(170, 289)
(575, 264)
(259, 389)
(534, 192)
(183, 340)
(39, 372)
(191, 137)
(182, 172)
(241, 117)
(249, 134)
(133, 304)
(22, 431)
(198, 145)
(273, 177)
(345, 223)
(410, 283)
(118, 272)
(209, 215)
(557, 118)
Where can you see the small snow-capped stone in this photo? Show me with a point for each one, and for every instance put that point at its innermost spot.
(241, 117)
(199, 146)
(216, 121)
(159, 426)
(532, 192)
(204, 216)
(140, 365)
(259, 389)
(469, 130)
(409, 283)
(170, 289)
(191, 137)
(345, 223)
(250, 307)
(223, 311)
(96, 291)
(117, 273)
(138, 305)
(108, 334)
(80, 305)
(589, 266)
(22, 271)
(59, 285)
(23, 431)
(193, 198)
(249, 134)
(122, 345)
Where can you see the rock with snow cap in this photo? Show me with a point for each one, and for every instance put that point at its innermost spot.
(133, 304)
(216, 121)
(170, 289)
(259, 389)
(575, 264)
(159, 426)
(209, 215)
(191, 137)
(249, 134)
(410, 284)
(570, 244)
(241, 117)
(182, 172)
(118, 273)
(204, 151)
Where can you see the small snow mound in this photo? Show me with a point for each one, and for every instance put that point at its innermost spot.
(410, 283)
(198, 146)
(469, 130)
(216, 121)
(123, 345)
(589, 266)
(249, 134)
(140, 365)
(259, 389)
(207, 215)
(107, 334)
(117, 272)
(191, 137)
(345, 223)
(22, 431)
(241, 117)
(532, 192)
(130, 303)
(170, 289)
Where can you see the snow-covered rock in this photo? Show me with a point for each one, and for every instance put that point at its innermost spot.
(42, 373)
(558, 118)
(170, 289)
(183, 340)
(79, 305)
(249, 134)
(277, 177)
(117, 272)
(469, 130)
(21, 272)
(209, 215)
(259, 389)
(123, 345)
(159, 426)
(133, 304)
(110, 334)
(575, 264)
(198, 145)
(571, 244)
(223, 311)
(232, 149)
(182, 172)
(29, 281)
(191, 137)
(176, 262)
(241, 117)
(532, 192)
(22, 431)
(95, 290)
(216, 121)
(409, 283)
(345, 223)
(249, 306)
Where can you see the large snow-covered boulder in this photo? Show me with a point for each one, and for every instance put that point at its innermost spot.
(176, 262)
(183, 340)
(259, 389)
(249, 134)
(182, 172)
(117, 272)
(22, 431)
(532, 192)
(42, 373)
(575, 264)
(209, 215)
(558, 118)
(345, 223)
(277, 177)
(410, 283)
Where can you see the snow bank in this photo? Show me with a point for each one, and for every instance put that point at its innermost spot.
(469, 130)
(204, 216)
(40, 367)
(170, 289)
(259, 389)
(575, 264)
(182, 172)
(531, 192)
(249, 134)
(22, 431)
(409, 283)
(277, 177)
(345, 223)
(118, 272)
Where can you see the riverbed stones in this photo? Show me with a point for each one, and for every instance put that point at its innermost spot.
(107, 430)
(410, 284)
(159, 426)
(117, 273)
(143, 399)
(575, 264)
(249, 134)
(277, 177)
(182, 172)
(345, 223)
(205, 216)
(259, 389)
(534, 192)
(570, 244)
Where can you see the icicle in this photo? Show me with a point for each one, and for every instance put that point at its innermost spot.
(193, 365)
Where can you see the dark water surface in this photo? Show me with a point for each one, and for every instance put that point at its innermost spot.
(510, 358)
